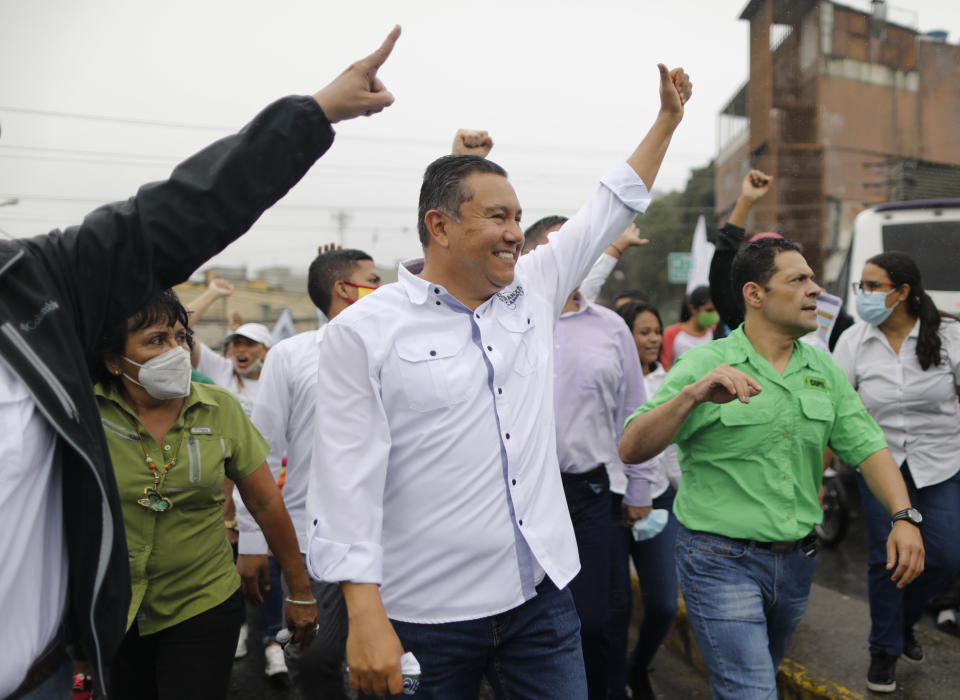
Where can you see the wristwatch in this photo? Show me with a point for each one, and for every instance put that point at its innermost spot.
(911, 515)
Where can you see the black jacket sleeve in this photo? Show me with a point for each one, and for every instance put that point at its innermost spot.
(123, 253)
(729, 240)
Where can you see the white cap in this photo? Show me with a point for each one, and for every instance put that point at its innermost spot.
(257, 332)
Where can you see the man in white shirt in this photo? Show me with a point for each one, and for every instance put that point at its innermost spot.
(435, 496)
(284, 415)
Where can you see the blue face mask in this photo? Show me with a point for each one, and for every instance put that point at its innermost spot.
(872, 306)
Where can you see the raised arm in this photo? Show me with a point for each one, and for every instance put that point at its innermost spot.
(729, 239)
(216, 289)
(675, 90)
(123, 253)
(470, 142)
(593, 282)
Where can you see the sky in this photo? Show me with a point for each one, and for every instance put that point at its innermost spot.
(100, 96)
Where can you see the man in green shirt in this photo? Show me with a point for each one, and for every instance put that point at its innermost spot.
(751, 415)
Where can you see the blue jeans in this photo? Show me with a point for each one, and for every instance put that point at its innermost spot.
(656, 568)
(891, 608)
(743, 604)
(532, 651)
(588, 500)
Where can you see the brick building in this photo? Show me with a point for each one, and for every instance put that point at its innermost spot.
(846, 109)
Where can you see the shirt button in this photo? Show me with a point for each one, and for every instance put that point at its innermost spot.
(489, 348)
(314, 522)
(789, 516)
(499, 390)
(433, 353)
(521, 523)
(166, 447)
(508, 436)
(436, 290)
(438, 302)
(786, 477)
(477, 315)
(514, 482)
(786, 434)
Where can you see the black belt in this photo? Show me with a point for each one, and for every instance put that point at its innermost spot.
(781, 547)
(599, 470)
(43, 668)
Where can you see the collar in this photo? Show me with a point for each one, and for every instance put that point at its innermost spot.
(417, 288)
(582, 303)
(873, 331)
(199, 394)
(741, 350)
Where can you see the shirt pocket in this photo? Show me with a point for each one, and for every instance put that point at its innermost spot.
(746, 427)
(521, 334)
(432, 369)
(820, 414)
(197, 478)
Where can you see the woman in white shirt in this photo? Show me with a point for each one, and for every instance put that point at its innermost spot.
(904, 360)
(652, 558)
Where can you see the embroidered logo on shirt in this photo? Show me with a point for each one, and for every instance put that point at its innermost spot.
(815, 383)
(46, 309)
(511, 298)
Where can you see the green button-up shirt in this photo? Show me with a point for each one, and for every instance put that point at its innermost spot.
(180, 561)
(753, 470)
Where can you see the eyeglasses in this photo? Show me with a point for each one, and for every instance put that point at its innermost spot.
(871, 286)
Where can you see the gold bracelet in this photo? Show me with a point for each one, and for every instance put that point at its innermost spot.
(231, 525)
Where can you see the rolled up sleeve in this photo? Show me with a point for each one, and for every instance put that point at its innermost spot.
(349, 465)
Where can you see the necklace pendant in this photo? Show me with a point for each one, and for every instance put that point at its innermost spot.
(153, 500)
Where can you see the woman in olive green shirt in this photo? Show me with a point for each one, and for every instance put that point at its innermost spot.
(172, 443)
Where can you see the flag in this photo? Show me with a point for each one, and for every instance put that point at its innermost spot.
(701, 253)
(283, 328)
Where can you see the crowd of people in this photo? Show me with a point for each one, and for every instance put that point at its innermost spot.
(469, 459)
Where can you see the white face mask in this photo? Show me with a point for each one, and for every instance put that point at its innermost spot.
(166, 376)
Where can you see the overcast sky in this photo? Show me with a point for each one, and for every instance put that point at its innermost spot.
(99, 96)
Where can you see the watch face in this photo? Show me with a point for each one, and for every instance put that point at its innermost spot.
(914, 515)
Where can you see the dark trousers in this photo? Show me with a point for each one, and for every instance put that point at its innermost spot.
(192, 659)
(656, 566)
(588, 498)
(892, 608)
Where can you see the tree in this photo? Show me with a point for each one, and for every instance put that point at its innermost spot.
(669, 224)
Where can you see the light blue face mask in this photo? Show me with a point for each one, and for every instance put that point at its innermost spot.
(872, 306)
(650, 526)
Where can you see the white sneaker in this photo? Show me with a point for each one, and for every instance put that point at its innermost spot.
(241, 643)
(273, 662)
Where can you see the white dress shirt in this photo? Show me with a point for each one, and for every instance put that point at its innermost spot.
(669, 462)
(918, 410)
(284, 415)
(31, 505)
(598, 383)
(221, 370)
(435, 469)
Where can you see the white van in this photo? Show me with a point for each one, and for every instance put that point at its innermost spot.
(928, 230)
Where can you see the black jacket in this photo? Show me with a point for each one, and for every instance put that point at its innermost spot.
(60, 291)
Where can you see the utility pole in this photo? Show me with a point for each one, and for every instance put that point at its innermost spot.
(341, 217)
